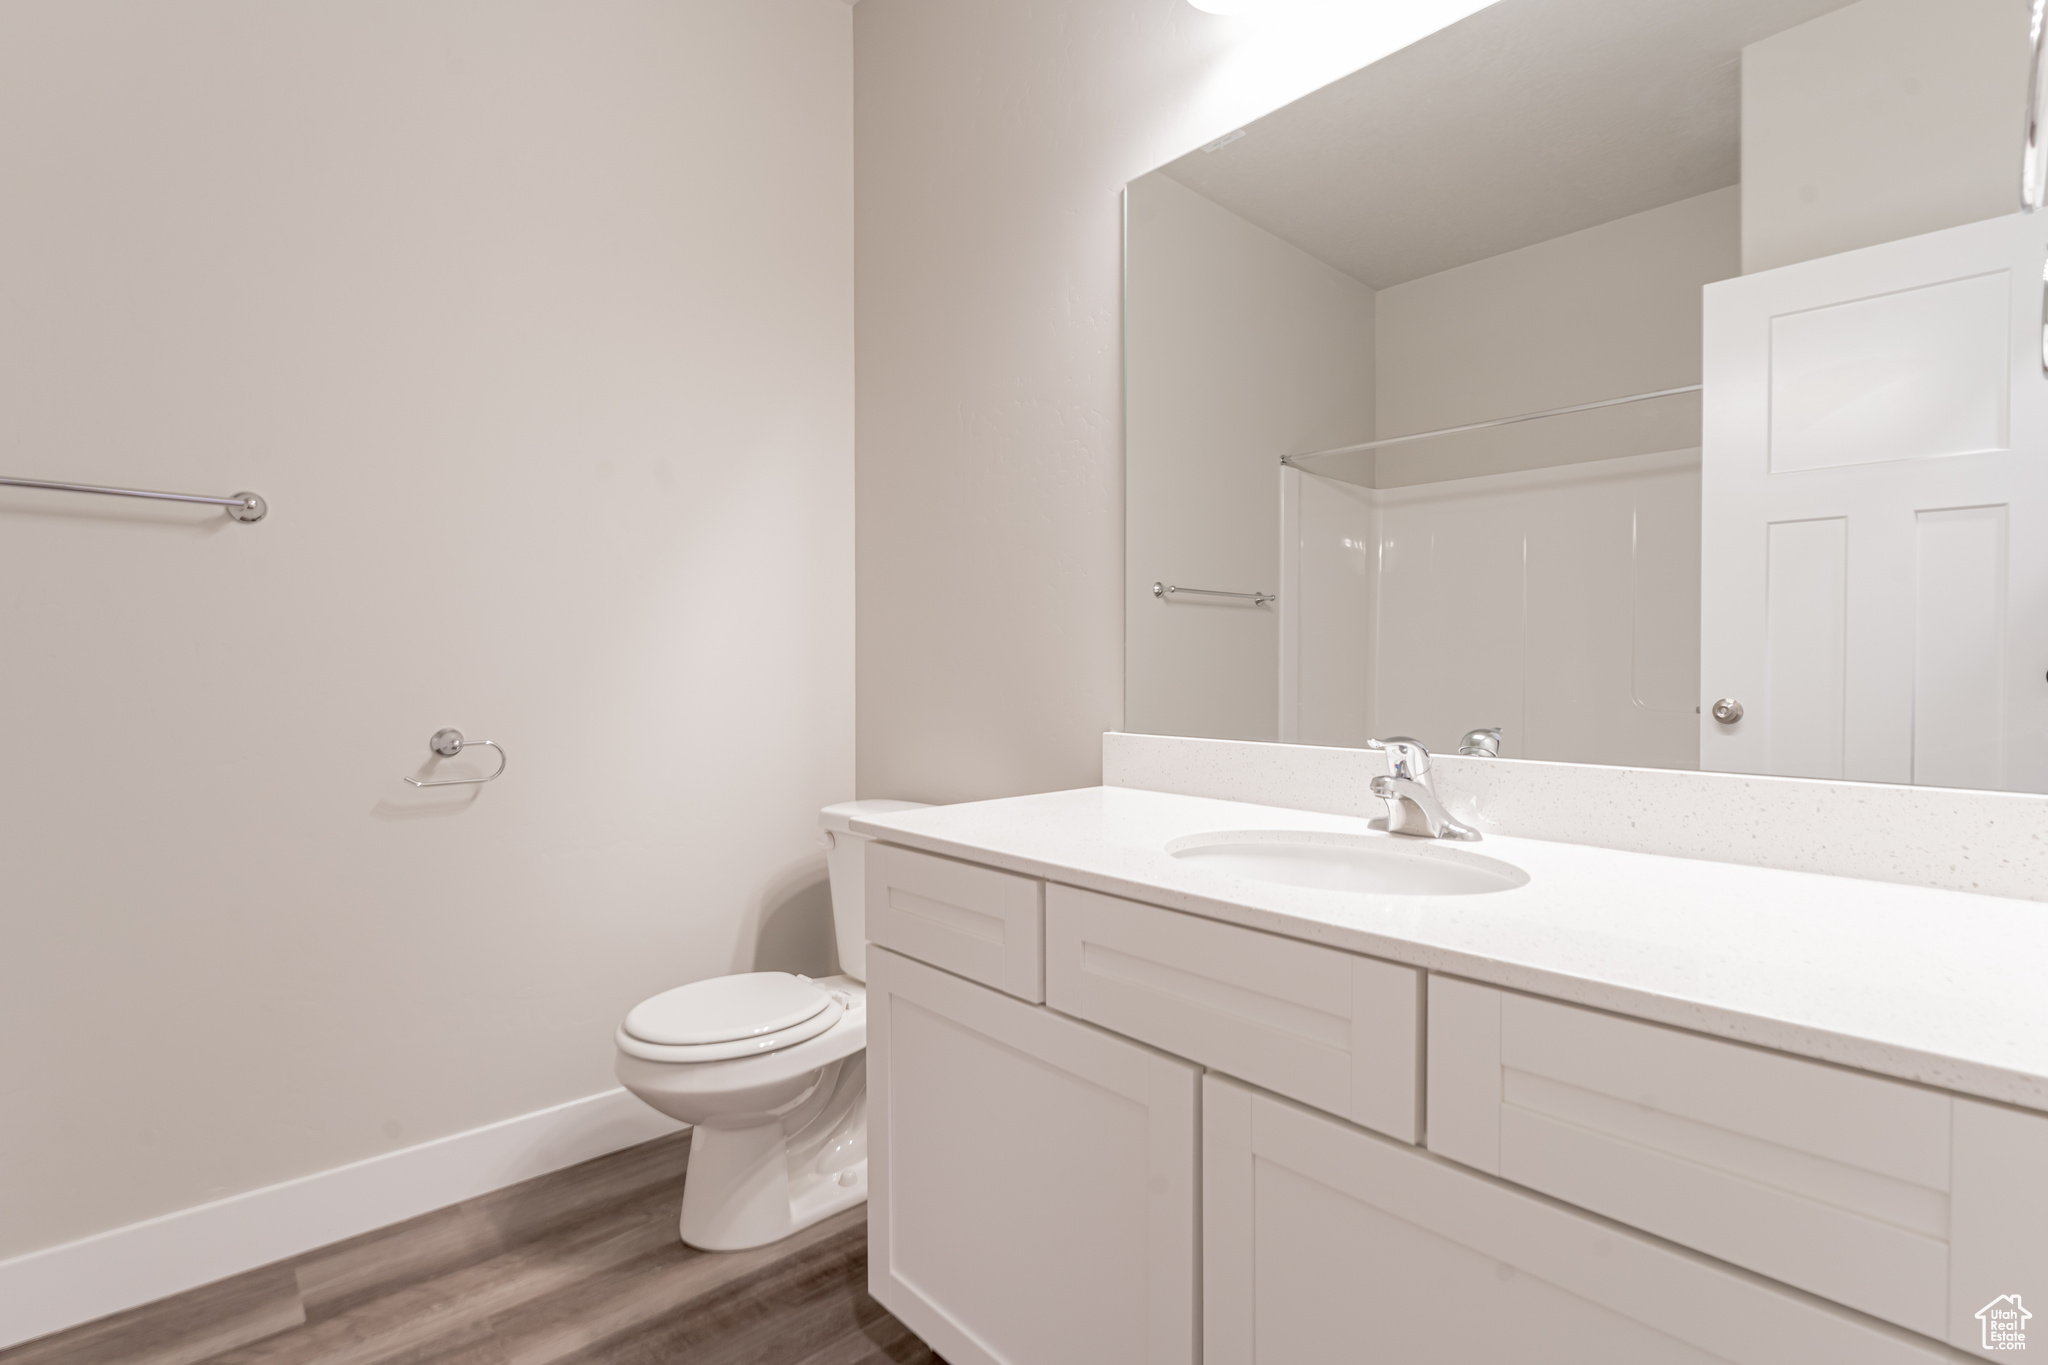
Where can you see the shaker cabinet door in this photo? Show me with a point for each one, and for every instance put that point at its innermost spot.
(1909, 1204)
(1032, 1196)
(1323, 1242)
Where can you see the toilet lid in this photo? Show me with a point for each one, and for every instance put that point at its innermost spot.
(726, 1009)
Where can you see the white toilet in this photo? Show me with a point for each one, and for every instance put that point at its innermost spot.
(772, 1070)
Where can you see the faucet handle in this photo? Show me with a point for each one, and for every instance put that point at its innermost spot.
(1409, 758)
(1481, 743)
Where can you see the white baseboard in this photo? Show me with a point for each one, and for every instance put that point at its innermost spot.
(62, 1286)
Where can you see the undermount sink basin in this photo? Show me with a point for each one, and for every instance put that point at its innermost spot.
(1384, 866)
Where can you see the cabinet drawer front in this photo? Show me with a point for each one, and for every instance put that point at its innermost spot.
(1837, 1182)
(1328, 1028)
(986, 925)
(1032, 1190)
(1311, 1228)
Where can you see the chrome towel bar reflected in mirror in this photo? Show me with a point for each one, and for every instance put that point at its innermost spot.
(1162, 591)
(241, 506)
(447, 744)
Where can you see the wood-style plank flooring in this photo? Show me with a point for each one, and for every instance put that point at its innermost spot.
(582, 1267)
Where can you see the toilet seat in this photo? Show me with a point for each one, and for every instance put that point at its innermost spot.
(723, 1009)
(727, 1017)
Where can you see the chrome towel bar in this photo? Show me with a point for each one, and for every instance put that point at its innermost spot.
(1162, 591)
(240, 506)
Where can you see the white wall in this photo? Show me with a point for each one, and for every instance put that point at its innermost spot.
(1238, 347)
(533, 322)
(1886, 119)
(1610, 311)
(994, 140)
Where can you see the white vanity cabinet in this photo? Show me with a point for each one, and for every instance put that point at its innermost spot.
(1323, 1243)
(1032, 1180)
(1392, 1164)
(1913, 1205)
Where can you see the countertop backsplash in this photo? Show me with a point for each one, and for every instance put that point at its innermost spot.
(1994, 843)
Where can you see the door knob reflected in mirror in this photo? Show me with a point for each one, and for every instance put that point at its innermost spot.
(1727, 710)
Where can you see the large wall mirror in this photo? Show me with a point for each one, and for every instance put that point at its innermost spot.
(1656, 382)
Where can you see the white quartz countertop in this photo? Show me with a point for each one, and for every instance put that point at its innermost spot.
(1941, 987)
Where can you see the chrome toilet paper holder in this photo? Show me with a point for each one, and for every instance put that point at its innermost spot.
(448, 743)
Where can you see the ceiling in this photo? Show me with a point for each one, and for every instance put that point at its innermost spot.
(1526, 121)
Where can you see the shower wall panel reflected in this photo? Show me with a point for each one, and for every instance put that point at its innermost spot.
(1577, 624)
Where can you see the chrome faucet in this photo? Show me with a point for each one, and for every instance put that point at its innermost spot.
(1412, 807)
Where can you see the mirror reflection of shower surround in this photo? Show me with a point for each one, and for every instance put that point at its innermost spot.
(1553, 324)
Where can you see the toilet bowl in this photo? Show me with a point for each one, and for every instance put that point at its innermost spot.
(771, 1069)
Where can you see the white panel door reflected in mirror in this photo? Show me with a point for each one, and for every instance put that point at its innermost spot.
(1503, 360)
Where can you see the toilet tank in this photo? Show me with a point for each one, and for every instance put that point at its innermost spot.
(846, 860)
